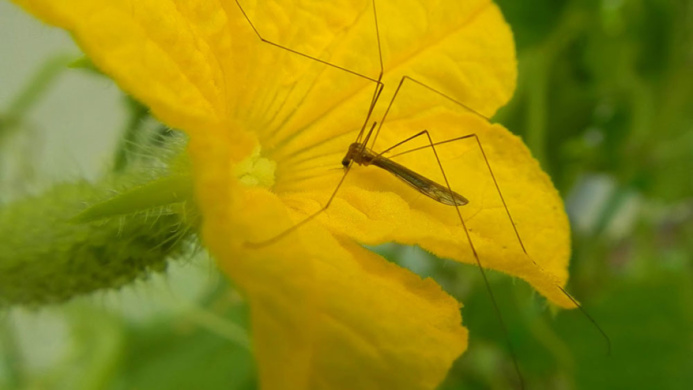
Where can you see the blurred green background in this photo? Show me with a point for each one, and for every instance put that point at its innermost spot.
(605, 102)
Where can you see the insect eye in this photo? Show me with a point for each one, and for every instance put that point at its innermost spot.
(345, 163)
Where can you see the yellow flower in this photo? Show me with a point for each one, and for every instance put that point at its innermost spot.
(268, 129)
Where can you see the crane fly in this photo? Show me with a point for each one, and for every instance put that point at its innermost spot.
(360, 152)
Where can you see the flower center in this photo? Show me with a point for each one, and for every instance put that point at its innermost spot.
(256, 171)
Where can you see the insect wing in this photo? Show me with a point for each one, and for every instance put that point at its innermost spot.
(438, 192)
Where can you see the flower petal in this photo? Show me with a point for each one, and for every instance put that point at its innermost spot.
(374, 207)
(152, 50)
(462, 49)
(200, 66)
(325, 313)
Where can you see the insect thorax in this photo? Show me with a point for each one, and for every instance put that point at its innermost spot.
(359, 154)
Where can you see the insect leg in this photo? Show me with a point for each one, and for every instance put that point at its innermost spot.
(447, 97)
(374, 99)
(257, 32)
(496, 308)
(304, 221)
(378, 81)
(495, 182)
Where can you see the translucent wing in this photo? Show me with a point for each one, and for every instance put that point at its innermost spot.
(422, 184)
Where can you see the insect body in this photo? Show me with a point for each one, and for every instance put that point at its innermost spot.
(360, 154)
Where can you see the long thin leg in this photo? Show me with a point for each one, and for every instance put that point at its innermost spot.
(308, 218)
(252, 25)
(303, 222)
(471, 245)
(374, 100)
(378, 81)
(399, 87)
(495, 182)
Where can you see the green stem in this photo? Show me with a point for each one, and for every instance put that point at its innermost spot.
(11, 357)
(218, 325)
(38, 85)
(539, 64)
(537, 111)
